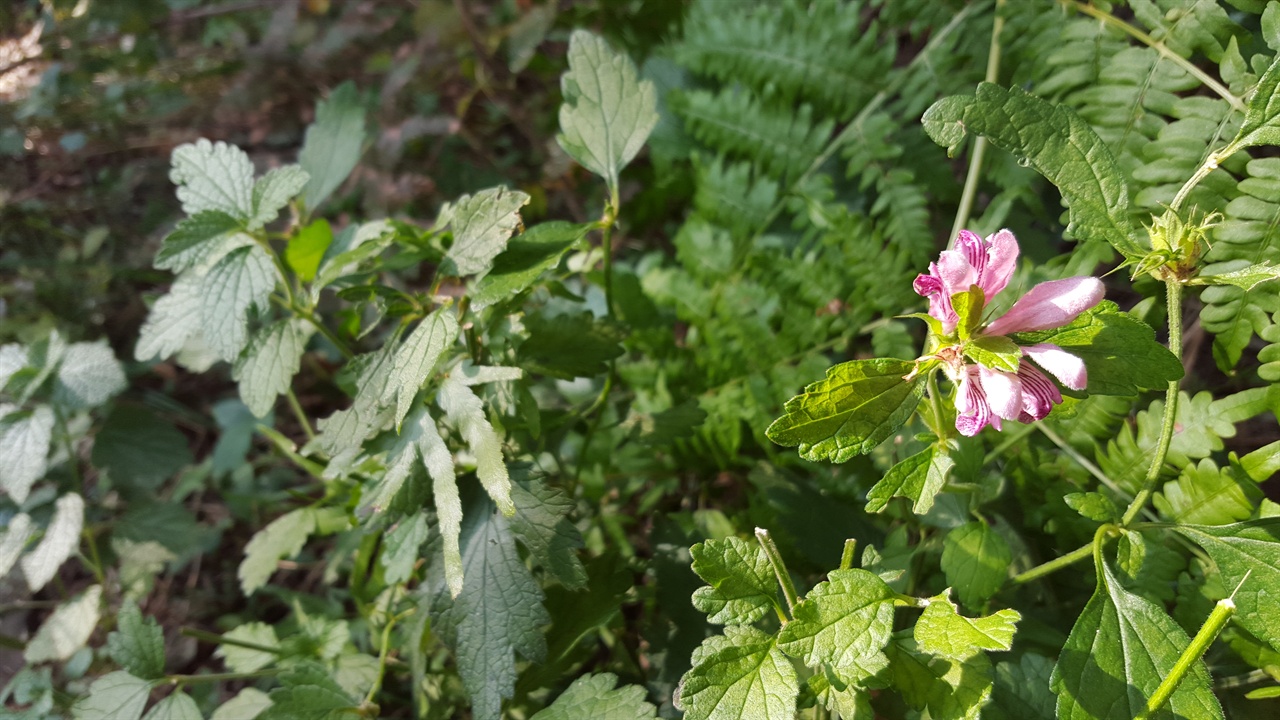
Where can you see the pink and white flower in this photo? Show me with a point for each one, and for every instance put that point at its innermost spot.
(984, 395)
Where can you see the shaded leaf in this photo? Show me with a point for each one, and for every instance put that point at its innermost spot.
(200, 241)
(332, 144)
(1247, 549)
(542, 525)
(570, 345)
(918, 478)
(139, 449)
(975, 559)
(137, 644)
(526, 257)
(282, 538)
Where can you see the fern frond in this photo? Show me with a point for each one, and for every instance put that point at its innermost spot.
(732, 196)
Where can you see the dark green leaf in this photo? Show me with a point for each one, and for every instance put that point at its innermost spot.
(542, 525)
(1249, 548)
(743, 587)
(333, 143)
(918, 478)
(138, 449)
(856, 407)
(569, 346)
(527, 256)
(201, 240)
(402, 545)
(976, 561)
(949, 690)
(1022, 690)
(137, 644)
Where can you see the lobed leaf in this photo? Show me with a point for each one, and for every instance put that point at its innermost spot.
(137, 644)
(843, 621)
(743, 587)
(918, 478)
(591, 697)
(741, 675)
(213, 176)
(942, 631)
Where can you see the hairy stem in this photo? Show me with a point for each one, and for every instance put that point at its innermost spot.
(779, 569)
(1199, 644)
(1209, 165)
(219, 677)
(980, 144)
(846, 557)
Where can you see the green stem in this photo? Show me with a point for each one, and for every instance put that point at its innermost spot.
(1222, 612)
(1173, 300)
(383, 653)
(606, 245)
(1054, 565)
(302, 416)
(1080, 460)
(935, 405)
(216, 639)
(846, 557)
(1210, 164)
(326, 332)
(219, 677)
(1115, 22)
(980, 144)
(779, 569)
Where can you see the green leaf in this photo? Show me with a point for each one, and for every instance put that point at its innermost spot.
(139, 449)
(975, 560)
(306, 249)
(1249, 548)
(1119, 651)
(994, 351)
(1261, 124)
(115, 696)
(273, 191)
(743, 587)
(24, 448)
(593, 697)
(67, 629)
(283, 538)
(61, 538)
(741, 675)
(844, 620)
(942, 631)
(200, 241)
(242, 279)
(949, 690)
(527, 256)
(243, 659)
(856, 407)
(416, 358)
(1246, 278)
(88, 376)
(498, 613)
(266, 368)
(482, 224)
(213, 176)
(173, 319)
(1058, 144)
(1263, 463)
(466, 412)
(246, 705)
(570, 345)
(608, 111)
(333, 143)
(1206, 495)
(178, 706)
(137, 644)
(542, 525)
(1022, 690)
(17, 532)
(918, 478)
(968, 306)
(1119, 351)
(1095, 506)
(401, 545)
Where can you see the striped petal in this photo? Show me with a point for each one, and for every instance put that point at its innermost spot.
(1068, 368)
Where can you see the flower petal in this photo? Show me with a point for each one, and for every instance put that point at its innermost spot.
(1049, 305)
(956, 272)
(972, 411)
(1003, 391)
(1068, 368)
(1002, 258)
(1039, 394)
(973, 249)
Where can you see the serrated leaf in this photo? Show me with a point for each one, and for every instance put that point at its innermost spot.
(200, 241)
(241, 280)
(942, 631)
(841, 621)
(416, 358)
(311, 702)
(856, 407)
(246, 705)
(542, 525)
(1203, 494)
(177, 706)
(466, 412)
(24, 448)
(137, 644)
(243, 659)
(401, 546)
(526, 257)
(1246, 278)
(593, 697)
(273, 191)
(741, 675)
(482, 224)
(88, 376)
(1261, 124)
(114, 696)
(139, 449)
(1121, 647)
(267, 366)
(283, 538)
(306, 249)
(67, 629)
(498, 613)
(1119, 351)
(1022, 690)
(570, 345)
(61, 538)
(1250, 549)
(1058, 144)
(608, 111)
(743, 587)
(213, 176)
(1093, 505)
(14, 541)
(975, 559)
(172, 320)
(949, 690)
(994, 351)
(13, 358)
(918, 478)
(332, 144)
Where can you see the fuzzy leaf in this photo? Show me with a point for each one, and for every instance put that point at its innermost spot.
(851, 411)
(213, 176)
(114, 696)
(482, 224)
(67, 629)
(24, 448)
(1022, 690)
(60, 540)
(942, 631)
(401, 545)
(1246, 278)
(333, 143)
(273, 191)
(527, 256)
(267, 366)
(841, 621)
(918, 478)
(570, 345)
(139, 449)
(741, 675)
(283, 538)
(242, 279)
(542, 525)
(949, 690)
(200, 241)
(975, 560)
(1095, 506)
(742, 584)
(1249, 548)
(172, 320)
(1261, 124)
(14, 541)
(242, 659)
(88, 376)
(137, 644)
(593, 697)
(416, 359)
(177, 706)
(608, 111)
(466, 412)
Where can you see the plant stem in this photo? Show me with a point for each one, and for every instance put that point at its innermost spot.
(1199, 644)
(219, 677)
(326, 332)
(1080, 460)
(1115, 22)
(606, 245)
(935, 405)
(1054, 565)
(779, 569)
(1209, 165)
(302, 416)
(980, 143)
(846, 557)
(382, 654)
(217, 639)
(1173, 300)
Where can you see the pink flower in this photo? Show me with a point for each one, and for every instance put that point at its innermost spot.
(985, 395)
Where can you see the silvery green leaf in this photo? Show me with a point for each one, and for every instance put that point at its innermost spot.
(466, 412)
(88, 376)
(200, 241)
(67, 629)
(283, 538)
(482, 224)
(416, 358)
(608, 111)
(24, 448)
(246, 705)
(13, 357)
(177, 706)
(43, 356)
(245, 659)
(273, 191)
(14, 541)
(267, 366)
(401, 459)
(470, 374)
(172, 320)
(140, 564)
(401, 545)
(114, 696)
(240, 280)
(60, 540)
(444, 489)
(213, 176)
(333, 143)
